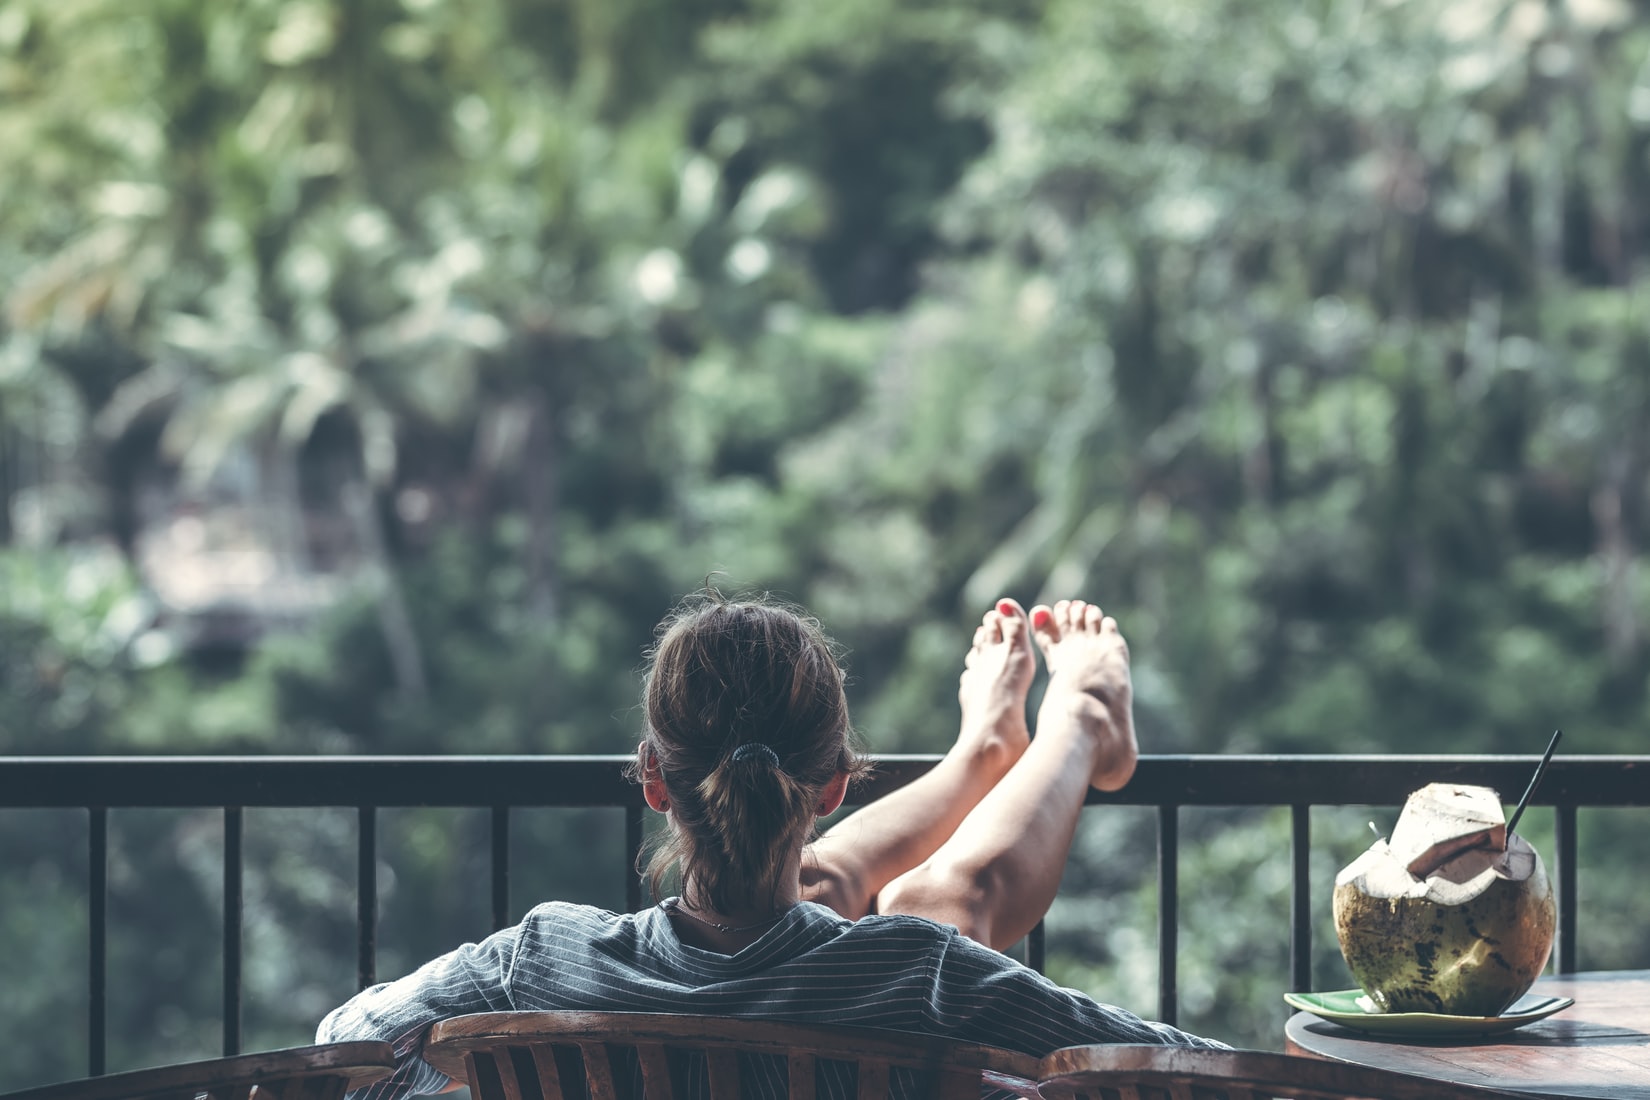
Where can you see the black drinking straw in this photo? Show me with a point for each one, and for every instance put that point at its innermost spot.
(1535, 781)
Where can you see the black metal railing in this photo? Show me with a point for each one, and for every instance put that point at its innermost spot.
(1168, 783)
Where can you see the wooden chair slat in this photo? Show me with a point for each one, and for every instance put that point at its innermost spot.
(873, 1079)
(598, 1071)
(722, 1066)
(544, 1057)
(509, 1081)
(656, 1082)
(801, 1070)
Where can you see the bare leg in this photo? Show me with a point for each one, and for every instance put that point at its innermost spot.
(997, 874)
(848, 866)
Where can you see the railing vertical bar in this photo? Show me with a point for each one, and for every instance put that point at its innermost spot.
(1168, 910)
(366, 896)
(1037, 948)
(1300, 898)
(232, 930)
(97, 974)
(633, 853)
(501, 867)
(1569, 901)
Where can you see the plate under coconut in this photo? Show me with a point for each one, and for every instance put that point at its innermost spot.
(1346, 1007)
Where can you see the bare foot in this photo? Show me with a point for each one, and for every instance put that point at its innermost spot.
(1088, 663)
(992, 690)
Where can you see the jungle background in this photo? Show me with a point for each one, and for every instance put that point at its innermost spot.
(374, 374)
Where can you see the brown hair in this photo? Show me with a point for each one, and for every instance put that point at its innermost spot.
(747, 722)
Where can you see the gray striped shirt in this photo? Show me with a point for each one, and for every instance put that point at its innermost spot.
(894, 972)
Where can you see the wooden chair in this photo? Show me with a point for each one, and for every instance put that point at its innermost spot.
(322, 1072)
(638, 1056)
(1126, 1072)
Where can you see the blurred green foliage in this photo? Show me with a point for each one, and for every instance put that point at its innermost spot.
(1311, 339)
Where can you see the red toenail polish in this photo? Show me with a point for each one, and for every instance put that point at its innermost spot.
(1004, 607)
(1039, 617)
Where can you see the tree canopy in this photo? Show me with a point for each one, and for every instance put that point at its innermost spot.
(375, 374)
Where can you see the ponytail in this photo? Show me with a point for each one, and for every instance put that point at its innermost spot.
(758, 814)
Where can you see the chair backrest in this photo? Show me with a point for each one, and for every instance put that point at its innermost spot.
(322, 1072)
(1126, 1072)
(639, 1056)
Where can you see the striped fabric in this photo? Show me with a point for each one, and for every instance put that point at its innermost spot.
(895, 972)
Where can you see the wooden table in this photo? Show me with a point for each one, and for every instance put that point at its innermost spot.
(1598, 1047)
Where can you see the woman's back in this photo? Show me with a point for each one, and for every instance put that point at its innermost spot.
(889, 972)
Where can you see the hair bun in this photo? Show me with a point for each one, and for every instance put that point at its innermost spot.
(754, 749)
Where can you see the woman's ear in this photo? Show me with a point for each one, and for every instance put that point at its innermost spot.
(830, 799)
(653, 785)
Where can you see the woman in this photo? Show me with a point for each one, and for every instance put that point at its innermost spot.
(888, 920)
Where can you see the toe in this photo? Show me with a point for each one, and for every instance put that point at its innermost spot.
(1110, 631)
(1073, 621)
(1092, 618)
(1043, 626)
(1013, 619)
(992, 629)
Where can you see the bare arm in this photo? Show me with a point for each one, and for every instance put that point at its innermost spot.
(848, 867)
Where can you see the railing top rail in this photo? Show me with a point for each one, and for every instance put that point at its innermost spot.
(302, 781)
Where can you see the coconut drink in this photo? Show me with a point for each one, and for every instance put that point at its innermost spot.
(1451, 915)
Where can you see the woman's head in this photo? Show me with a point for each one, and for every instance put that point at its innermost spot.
(747, 726)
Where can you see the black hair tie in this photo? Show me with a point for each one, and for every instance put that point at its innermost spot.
(754, 749)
